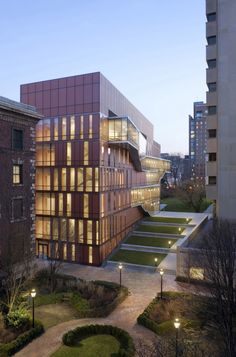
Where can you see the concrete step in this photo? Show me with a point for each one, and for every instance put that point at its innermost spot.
(145, 248)
(158, 235)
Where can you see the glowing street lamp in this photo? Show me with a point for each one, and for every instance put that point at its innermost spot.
(161, 274)
(177, 326)
(155, 261)
(120, 268)
(33, 294)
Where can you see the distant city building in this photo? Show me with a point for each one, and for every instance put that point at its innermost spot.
(98, 168)
(178, 169)
(198, 141)
(17, 194)
(221, 102)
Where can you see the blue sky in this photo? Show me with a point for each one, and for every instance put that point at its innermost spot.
(153, 51)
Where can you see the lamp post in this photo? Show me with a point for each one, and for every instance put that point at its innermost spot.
(155, 261)
(161, 274)
(169, 243)
(177, 325)
(33, 294)
(120, 268)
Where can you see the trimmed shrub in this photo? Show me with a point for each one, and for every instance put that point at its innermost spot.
(127, 348)
(17, 320)
(9, 349)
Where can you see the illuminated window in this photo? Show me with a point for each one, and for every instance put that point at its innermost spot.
(71, 230)
(65, 251)
(89, 179)
(86, 205)
(96, 180)
(63, 229)
(72, 127)
(90, 126)
(89, 232)
(55, 180)
(63, 179)
(17, 174)
(73, 252)
(68, 153)
(80, 179)
(197, 273)
(86, 152)
(81, 230)
(102, 205)
(60, 204)
(68, 204)
(63, 129)
(39, 130)
(81, 130)
(90, 257)
(72, 179)
(55, 232)
(46, 130)
(43, 227)
(43, 179)
(45, 203)
(55, 128)
(97, 232)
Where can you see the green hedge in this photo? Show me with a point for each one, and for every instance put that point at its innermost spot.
(144, 319)
(10, 348)
(127, 348)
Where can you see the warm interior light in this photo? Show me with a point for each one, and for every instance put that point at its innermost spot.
(33, 293)
(176, 323)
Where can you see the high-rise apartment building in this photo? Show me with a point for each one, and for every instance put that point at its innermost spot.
(98, 167)
(17, 194)
(221, 123)
(198, 141)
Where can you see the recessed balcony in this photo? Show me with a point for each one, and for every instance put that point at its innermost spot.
(211, 52)
(211, 98)
(211, 75)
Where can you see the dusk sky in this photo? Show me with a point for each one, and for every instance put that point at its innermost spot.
(153, 51)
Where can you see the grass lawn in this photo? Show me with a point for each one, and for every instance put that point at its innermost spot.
(169, 220)
(160, 229)
(53, 314)
(143, 258)
(151, 241)
(176, 205)
(99, 346)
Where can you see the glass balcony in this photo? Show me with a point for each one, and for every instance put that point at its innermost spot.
(123, 130)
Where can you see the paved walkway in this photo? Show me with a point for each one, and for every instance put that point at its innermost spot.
(143, 288)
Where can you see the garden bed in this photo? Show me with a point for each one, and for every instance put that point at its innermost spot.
(160, 229)
(133, 257)
(151, 241)
(169, 220)
(96, 340)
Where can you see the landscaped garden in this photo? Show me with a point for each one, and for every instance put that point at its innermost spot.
(175, 204)
(151, 241)
(96, 340)
(195, 314)
(133, 257)
(58, 298)
(169, 220)
(160, 229)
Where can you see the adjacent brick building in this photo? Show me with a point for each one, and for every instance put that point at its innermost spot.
(17, 165)
(98, 170)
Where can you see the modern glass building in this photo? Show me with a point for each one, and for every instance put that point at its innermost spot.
(98, 169)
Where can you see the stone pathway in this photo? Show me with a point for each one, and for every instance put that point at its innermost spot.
(143, 288)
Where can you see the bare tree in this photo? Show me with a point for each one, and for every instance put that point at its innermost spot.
(54, 265)
(193, 194)
(219, 260)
